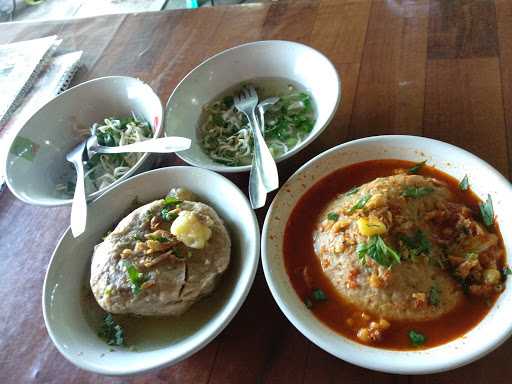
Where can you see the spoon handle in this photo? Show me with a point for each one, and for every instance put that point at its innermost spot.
(160, 145)
(264, 159)
(257, 192)
(79, 206)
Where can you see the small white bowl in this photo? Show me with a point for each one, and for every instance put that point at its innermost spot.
(491, 332)
(36, 161)
(70, 264)
(262, 59)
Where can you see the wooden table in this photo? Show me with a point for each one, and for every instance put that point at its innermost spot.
(441, 69)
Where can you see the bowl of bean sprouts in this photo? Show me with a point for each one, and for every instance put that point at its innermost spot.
(201, 107)
(119, 110)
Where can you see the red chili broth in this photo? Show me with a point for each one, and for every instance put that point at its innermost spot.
(298, 253)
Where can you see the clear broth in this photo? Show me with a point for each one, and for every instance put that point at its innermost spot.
(147, 333)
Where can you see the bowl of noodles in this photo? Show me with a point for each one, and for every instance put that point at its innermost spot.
(118, 110)
(303, 82)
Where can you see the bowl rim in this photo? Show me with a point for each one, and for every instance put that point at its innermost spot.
(228, 316)
(310, 331)
(309, 139)
(157, 132)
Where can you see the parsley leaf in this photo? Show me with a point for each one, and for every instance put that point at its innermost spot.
(111, 332)
(379, 251)
(416, 192)
(416, 338)
(352, 191)
(414, 170)
(332, 216)
(360, 203)
(464, 183)
(135, 277)
(434, 296)
(487, 211)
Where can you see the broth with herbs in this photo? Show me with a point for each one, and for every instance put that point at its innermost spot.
(395, 255)
(225, 133)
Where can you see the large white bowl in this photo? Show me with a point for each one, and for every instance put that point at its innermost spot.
(261, 59)
(70, 264)
(492, 331)
(36, 160)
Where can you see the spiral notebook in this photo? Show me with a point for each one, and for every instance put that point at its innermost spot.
(53, 75)
(20, 65)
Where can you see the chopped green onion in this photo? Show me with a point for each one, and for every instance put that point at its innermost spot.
(360, 203)
(111, 332)
(416, 192)
(417, 338)
(225, 134)
(160, 239)
(487, 211)
(228, 101)
(352, 191)
(319, 295)
(464, 183)
(332, 216)
(414, 170)
(135, 277)
(171, 201)
(218, 120)
(167, 215)
(434, 296)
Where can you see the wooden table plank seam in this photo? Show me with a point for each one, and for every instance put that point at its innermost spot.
(361, 59)
(503, 77)
(106, 47)
(212, 366)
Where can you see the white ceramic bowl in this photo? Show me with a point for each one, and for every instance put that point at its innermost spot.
(36, 161)
(261, 59)
(70, 264)
(492, 331)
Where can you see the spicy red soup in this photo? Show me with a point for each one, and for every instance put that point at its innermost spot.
(323, 298)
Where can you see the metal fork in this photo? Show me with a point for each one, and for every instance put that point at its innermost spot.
(263, 177)
(263, 107)
(79, 207)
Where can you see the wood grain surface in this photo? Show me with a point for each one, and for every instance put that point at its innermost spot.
(435, 68)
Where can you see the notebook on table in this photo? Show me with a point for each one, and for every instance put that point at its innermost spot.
(26, 87)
